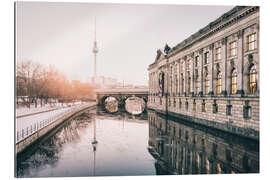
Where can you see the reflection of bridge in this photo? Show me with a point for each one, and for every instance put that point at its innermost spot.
(121, 95)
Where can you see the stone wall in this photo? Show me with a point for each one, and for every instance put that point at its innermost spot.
(236, 122)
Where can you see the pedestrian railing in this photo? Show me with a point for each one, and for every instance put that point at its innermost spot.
(29, 130)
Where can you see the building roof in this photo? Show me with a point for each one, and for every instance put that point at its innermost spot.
(228, 18)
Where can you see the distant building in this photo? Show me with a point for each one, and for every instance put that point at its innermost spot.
(104, 82)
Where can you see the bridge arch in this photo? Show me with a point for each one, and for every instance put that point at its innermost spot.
(133, 96)
(121, 95)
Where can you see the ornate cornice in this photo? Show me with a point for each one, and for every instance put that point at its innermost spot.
(229, 18)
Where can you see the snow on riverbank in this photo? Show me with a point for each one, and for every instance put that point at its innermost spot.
(31, 122)
(27, 111)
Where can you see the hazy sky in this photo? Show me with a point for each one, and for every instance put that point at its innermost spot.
(128, 36)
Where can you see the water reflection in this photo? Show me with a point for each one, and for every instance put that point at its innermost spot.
(135, 105)
(122, 148)
(183, 148)
(111, 104)
(124, 143)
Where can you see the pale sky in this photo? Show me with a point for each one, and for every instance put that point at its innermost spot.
(128, 36)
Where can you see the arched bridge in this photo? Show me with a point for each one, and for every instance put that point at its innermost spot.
(121, 95)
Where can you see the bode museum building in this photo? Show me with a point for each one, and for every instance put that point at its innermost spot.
(212, 77)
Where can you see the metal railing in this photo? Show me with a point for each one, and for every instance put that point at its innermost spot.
(29, 130)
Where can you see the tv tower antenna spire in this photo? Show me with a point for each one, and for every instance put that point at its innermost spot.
(95, 51)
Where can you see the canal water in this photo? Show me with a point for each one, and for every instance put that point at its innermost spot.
(146, 144)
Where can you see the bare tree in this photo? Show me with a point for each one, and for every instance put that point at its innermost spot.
(37, 82)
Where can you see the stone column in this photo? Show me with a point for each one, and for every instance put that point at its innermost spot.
(166, 84)
(240, 62)
(173, 78)
(211, 71)
(192, 73)
(150, 83)
(200, 69)
(223, 66)
(156, 82)
(179, 77)
(182, 77)
(170, 79)
(185, 75)
(258, 58)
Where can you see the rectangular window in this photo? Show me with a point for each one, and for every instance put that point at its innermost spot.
(215, 107)
(189, 84)
(176, 84)
(207, 86)
(218, 85)
(197, 85)
(229, 110)
(251, 42)
(186, 106)
(203, 106)
(234, 85)
(196, 61)
(218, 53)
(180, 133)
(194, 105)
(182, 83)
(233, 48)
(206, 58)
(247, 112)
(253, 82)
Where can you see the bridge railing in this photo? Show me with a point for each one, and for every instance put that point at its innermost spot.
(33, 128)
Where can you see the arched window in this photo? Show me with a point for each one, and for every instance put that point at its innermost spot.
(182, 83)
(186, 106)
(161, 83)
(176, 83)
(218, 83)
(171, 80)
(194, 105)
(197, 85)
(203, 106)
(175, 79)
(207, 83)
(234, 81)
(252, 80)
(189, 82)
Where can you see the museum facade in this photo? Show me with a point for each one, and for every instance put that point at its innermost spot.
(212, 77)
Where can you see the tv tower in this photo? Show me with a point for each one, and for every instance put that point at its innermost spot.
(95, 51)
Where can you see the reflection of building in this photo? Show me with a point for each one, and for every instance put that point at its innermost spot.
(189, 149)
(212, 77)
